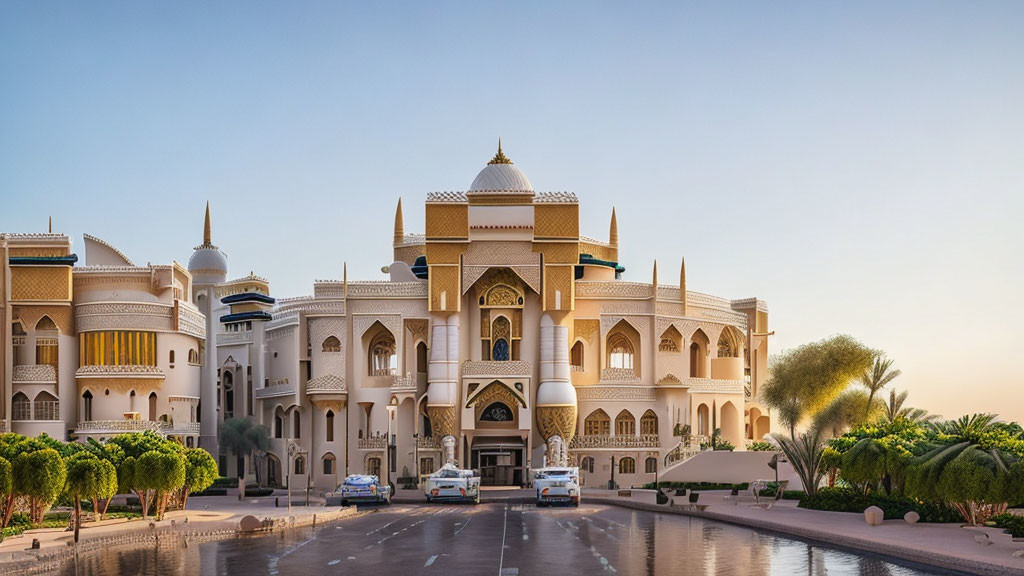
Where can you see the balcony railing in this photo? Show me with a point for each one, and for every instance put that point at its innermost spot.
(619, 375)
(400, 383)
(514, 368)
(183, 428)
(34, 374)
(276, 387)
(591, 442)
(96, 426)
(428, 443)
(119, 371)
(373, 443)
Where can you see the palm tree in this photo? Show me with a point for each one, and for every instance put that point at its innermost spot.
(896, 411)
(877, 377)
(241, 436)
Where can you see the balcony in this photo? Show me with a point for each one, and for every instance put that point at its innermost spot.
(406, 384)
(229, 338)
(428, 443)
(128, 371)
(615, 442)
(619, 376)
(277, 387)
(118, 426)
(378, 442)
(34, 374)
(712, 385)
(182, 429)
(496, 369)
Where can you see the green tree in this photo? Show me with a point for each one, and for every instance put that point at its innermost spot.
(6, 493)
(156, 475)
(845, 411)
(200, 472)
(975, 465)
(877, 377)
(88, 477)
(39, 475)
(133, 446)
(241, 436)
(806, 379)
(804, 453)
(113, 454)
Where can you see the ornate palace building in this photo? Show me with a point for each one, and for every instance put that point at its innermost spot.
(503, 340)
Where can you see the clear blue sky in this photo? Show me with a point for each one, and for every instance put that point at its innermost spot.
(857, 165)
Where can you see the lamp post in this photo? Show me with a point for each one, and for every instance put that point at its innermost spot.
(392, 408)
(293, 449)
(416, 456)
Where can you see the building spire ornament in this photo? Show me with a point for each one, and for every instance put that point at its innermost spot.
(206, 226)
(500, 157)
(682, 283)
(50, 229)
(654, 279)
(613, 230)
(399, 224)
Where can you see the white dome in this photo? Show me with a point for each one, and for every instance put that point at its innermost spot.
(206, 259)
(556, 393)
(501, 177)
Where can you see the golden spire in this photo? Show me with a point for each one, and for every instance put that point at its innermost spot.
(206, 226)
(613, 230)
(654, 281)
(500, 157)
(344, 279)
(682, 283)
(399, 224)
(50, 229)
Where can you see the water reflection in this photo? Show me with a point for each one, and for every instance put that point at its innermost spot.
(559, 542)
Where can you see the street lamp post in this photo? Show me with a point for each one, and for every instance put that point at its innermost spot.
(416, 455)
(293, 448)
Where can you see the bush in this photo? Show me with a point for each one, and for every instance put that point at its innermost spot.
(761, 447)
(223, 482)
(894, 507)
(1012, 523)
(211, 491)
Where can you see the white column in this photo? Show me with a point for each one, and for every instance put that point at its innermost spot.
(208, 385)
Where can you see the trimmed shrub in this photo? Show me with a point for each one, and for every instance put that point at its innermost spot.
(894, 507)
(1012, 523)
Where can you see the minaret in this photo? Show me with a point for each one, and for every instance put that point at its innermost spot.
(50, 229)
(654, 280)
(399, 224)
(682, 283)
(613, 230)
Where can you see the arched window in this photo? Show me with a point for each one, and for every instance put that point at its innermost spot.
(651, 465)
(47, 407)
(331, 344)
(501, 333)
(698, 355)
(725, 347)
(152, 405)
(576, 356)
(382, 355)
(279, 423)
(497, 412)
(702, 419)
(87, 405)
(587, 464)
(373, 466)
(300, 465)
(296, 425)
(193, 356)
(649, 423)
(229, 394)
(330, 425)
(625, 424)
(329, 463)
(597, 424)
(421, 357)
(627, 466)
(21, 408)
(620, 352)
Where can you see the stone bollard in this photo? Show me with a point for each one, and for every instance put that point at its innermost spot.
(874, 516)
(911, 517)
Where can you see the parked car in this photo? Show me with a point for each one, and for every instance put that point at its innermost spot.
(557, 484)
(452, 484)
(361, 488)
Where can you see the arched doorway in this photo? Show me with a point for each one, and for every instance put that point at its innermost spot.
(273, 470)
(731, 424)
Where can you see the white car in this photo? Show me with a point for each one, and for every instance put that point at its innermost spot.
(361, 488)
(557, 484)
(452, 484)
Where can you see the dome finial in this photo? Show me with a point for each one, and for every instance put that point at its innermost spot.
(613, 230)
(399, 225)
(500, 157)
(206, 226)
(51, 225)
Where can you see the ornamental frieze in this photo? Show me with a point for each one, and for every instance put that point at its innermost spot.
(615, 393)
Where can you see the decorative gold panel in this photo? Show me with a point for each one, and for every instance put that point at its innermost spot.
(442, 420)
(408, 254)
(447, 221)
(444, 279)
(556, 221)
(30, 315)
(444, 253)
(600, 252)
(586, 329)
(495, 392)
(557, 421)
(39, 252)
(558, 252)
(558, 278)
(32, 283)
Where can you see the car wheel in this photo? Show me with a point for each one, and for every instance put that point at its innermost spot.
(429, 499)
(344, 502)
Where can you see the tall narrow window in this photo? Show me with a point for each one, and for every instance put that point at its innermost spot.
(297, 425)
(152, 405)
(627, 466)
(278, 424)
(329, 463)
(651, 465)
(382, 355)
(330, 425)
(87, 406)
(625, 424)
(620, 352)
(170, 357)
(649, 423)
(576, 357)
(21, 407)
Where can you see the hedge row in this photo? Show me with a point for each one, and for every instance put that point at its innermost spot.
(1012, 523)
(894, 507)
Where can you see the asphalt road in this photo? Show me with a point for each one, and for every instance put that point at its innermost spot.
(499, 539)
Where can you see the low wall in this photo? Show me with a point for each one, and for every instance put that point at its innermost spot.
(730, 467)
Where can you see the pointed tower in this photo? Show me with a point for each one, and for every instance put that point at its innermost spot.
(682, 283)
(206, 225)
(654, 280)
(613, 231)
(399, 224)
(208, 264)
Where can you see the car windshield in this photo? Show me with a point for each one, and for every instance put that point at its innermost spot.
(449, 474)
